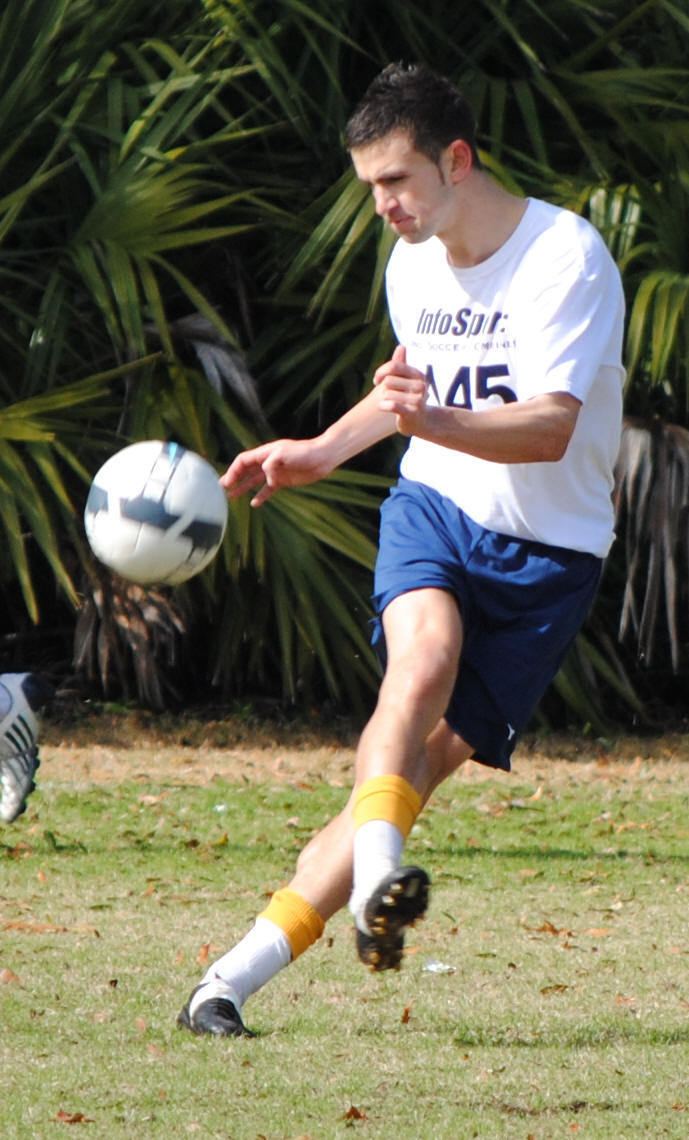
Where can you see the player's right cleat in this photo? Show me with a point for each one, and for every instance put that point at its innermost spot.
(216, 1016)
(21, 697)
(397, 902)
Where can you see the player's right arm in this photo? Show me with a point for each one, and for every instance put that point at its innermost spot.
(296, 462)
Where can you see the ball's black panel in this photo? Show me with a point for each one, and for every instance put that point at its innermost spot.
(97, 500)
(149, 511)
(203, 535)
(174, 452)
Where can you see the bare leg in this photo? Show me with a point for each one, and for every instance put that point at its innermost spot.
(323, 874)
(445, 752)
(405, 736)
(423, 633)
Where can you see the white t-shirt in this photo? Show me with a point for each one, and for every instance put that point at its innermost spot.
(543, 314)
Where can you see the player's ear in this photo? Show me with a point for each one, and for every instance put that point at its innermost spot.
(459, 159)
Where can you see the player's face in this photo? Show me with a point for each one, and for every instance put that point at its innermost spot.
(412, 193)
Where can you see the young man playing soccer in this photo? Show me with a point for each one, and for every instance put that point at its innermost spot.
(507, 379)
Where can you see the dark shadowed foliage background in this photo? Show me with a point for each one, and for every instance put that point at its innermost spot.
(185, 254)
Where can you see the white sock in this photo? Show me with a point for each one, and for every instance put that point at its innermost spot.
(261, 954)
(378, 847)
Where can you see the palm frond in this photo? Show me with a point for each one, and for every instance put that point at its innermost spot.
(652, 493)
(658, 324)
(128, 640)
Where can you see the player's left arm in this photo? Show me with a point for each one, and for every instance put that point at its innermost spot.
(530, 431)
(535, 431)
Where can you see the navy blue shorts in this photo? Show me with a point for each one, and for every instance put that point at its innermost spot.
(522, 604)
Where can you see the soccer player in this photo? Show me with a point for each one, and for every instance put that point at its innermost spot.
(507, 379)
(22, 695)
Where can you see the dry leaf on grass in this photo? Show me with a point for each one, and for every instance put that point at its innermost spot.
(548, 927)
(354, 1113)
(28, 926)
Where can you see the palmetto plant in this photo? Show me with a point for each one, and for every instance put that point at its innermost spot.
(653, 505)
(124, 159)
(185, 253)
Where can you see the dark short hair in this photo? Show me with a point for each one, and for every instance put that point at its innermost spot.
(413, 98)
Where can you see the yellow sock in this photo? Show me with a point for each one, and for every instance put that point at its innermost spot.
(388, 798)
(301, 922)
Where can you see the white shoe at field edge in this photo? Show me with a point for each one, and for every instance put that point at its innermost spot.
(22, 695)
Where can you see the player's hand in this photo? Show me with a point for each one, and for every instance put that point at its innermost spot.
(403, 391)
(272, 466)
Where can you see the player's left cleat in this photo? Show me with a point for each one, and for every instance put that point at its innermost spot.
(215, 1015)
(376, 956)
(22, 695)
(397, 902)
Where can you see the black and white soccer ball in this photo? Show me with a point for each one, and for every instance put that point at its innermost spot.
(156, 513)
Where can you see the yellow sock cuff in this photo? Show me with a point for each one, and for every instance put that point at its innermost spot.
(295, 916)
(391, 798)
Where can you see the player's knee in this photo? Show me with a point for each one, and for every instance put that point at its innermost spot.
(422, 677)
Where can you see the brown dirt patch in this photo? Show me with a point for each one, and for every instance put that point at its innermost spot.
(109, 748)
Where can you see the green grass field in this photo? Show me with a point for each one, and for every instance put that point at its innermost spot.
(545, 996)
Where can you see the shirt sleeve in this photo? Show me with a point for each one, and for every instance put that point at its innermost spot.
(571, 322)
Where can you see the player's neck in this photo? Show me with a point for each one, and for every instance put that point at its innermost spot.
(487, 215)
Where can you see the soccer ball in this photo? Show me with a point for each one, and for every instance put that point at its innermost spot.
(156, 513)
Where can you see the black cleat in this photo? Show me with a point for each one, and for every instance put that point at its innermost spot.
(216, 1016)
(397, 902)
(376, 956)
